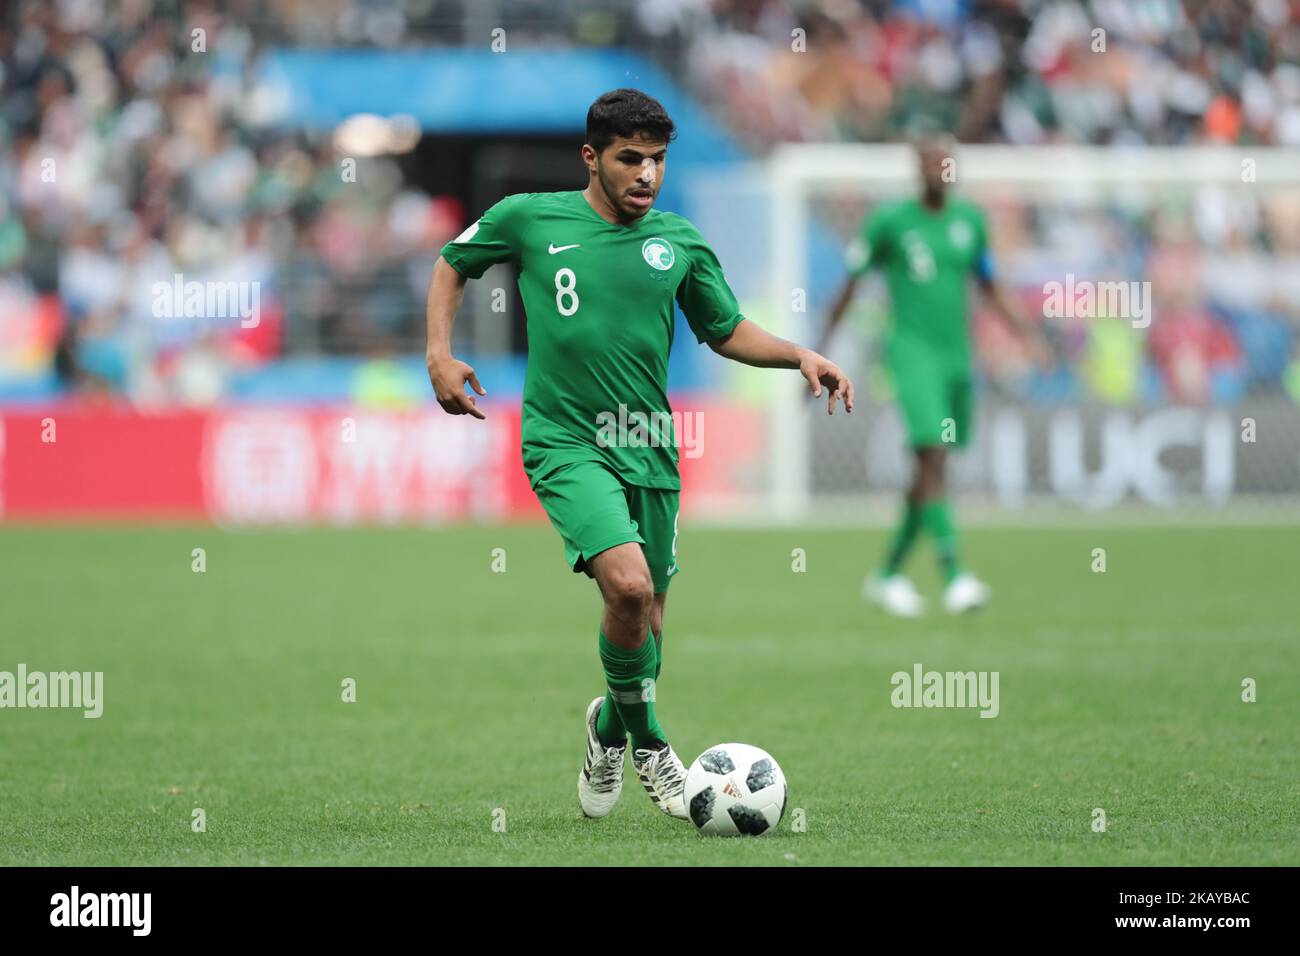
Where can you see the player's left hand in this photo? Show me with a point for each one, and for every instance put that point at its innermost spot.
(819, 371)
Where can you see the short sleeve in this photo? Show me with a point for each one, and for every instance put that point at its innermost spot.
(492, 239)
(868, 246)
(707, 301)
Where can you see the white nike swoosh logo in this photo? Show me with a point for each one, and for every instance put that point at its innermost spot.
(553, 249)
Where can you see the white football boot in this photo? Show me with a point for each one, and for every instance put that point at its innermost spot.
(895, 594)
(966, 593)
(664, 778)
(601, 779)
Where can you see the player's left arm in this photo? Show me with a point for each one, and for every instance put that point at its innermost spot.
(752, 345)
(996, 295)
(714, 316)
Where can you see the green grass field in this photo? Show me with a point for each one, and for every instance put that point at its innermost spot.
(1119, 691)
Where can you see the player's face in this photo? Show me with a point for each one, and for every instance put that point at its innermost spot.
(630, 172)
(931, 160)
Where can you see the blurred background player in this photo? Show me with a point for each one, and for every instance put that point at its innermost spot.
(927, 247)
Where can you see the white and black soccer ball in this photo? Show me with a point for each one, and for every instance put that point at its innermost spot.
(735, 790)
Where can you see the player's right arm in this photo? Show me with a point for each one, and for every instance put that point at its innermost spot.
(447, 373)
(863, 252)
(493, 238)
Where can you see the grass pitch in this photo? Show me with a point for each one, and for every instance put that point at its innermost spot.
(222, 691)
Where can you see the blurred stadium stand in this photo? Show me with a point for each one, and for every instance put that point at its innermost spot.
(226, 162)
(140, 140)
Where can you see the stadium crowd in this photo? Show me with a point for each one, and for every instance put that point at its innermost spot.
(124, 159)
(1016, 71)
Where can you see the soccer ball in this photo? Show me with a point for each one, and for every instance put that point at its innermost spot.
(735, 790)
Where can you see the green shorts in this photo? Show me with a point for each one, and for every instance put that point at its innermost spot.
(594, 511)
(937, 402)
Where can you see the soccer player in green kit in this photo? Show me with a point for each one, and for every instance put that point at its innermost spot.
(927, 248)
(599, 272)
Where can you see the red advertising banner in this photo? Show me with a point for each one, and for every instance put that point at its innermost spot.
(100, 461)
(252, 465)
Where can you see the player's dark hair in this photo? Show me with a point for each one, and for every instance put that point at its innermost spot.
(627, 113)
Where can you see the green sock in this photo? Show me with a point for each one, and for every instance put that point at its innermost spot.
(904, 535)
(610, 730)
(629, 675)
(937, 520)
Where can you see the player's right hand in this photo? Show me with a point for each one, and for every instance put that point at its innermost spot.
(449, 376)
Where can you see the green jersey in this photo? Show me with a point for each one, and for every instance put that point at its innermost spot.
(599, 300)
(926, 256)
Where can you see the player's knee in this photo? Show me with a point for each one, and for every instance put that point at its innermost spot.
(630, 594)
(930, 464)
